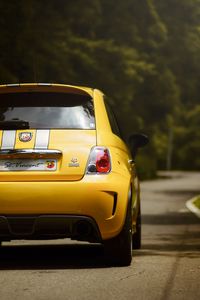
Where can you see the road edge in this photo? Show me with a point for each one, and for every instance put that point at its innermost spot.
(189, 204)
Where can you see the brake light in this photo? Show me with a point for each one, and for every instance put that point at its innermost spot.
(99, 161)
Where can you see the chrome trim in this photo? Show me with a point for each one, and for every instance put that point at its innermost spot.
(30, 153)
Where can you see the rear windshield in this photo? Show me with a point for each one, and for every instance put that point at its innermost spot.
(41, 110)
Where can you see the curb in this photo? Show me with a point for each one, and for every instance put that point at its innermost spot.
(189, 204)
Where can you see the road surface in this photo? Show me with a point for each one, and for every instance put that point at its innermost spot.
(167, 266)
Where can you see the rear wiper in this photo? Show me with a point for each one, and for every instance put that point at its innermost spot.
(14, 124)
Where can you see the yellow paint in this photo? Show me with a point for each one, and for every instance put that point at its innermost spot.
(68, 190)
(1, 134)
(87, 197)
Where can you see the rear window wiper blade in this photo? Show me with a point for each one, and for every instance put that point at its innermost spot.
(14, 124)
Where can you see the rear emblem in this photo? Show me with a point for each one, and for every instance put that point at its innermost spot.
(50, 164)
(25, 136)
(74, 163)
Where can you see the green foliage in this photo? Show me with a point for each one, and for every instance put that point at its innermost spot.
(187, 144)
(144, 54)
(197, 202)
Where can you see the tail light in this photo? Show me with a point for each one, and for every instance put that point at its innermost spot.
(99, 161)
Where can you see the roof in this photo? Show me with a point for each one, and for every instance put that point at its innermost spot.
(44, 87)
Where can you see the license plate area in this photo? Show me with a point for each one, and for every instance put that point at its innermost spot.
(28, 165)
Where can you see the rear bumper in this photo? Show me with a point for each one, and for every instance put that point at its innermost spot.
(49, 227)
(101, 198)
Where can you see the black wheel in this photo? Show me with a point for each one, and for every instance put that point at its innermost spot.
(136, 239)
(119, 249)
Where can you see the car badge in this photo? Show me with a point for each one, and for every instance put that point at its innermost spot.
(74, 163)
(25, 136)
(50, 164)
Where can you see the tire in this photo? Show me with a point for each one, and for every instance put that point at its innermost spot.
(119, 249)
(136, 238)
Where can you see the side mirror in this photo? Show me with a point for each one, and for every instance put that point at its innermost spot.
(136, 141)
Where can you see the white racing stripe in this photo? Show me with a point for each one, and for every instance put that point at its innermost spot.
(8, 139)
(42, 139)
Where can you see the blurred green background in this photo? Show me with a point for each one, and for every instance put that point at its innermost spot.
(144, 54)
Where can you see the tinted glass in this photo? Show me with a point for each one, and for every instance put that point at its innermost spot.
(112, 120)
(48, 110)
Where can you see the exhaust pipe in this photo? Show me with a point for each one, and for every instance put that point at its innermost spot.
(82, 228)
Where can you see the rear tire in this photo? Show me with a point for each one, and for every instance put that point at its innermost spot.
(136, 239)
(119, 249)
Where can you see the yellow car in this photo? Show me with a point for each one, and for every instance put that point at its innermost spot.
(65, 171)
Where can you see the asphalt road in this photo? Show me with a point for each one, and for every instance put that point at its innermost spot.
(167, 266)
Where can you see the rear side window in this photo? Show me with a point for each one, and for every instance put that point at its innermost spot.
(41, 110)
(112, 120)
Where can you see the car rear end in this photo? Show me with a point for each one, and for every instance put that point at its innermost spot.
(55, 177)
